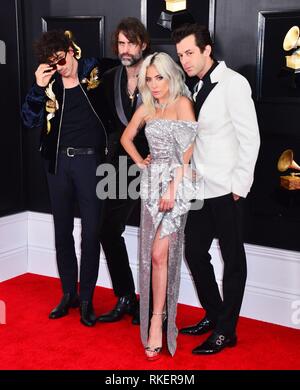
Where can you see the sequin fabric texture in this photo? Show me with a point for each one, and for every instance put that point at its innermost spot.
(168, 140)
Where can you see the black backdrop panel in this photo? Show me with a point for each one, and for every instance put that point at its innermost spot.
(11, 154)
(198, 9)
(272, 215)
(88, 32)
(275, 81)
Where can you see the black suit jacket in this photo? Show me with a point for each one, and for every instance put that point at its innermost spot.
(113, 122)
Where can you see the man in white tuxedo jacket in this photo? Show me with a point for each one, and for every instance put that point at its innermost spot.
(225, 153)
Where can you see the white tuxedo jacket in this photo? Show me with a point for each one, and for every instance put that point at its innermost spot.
(227, 143)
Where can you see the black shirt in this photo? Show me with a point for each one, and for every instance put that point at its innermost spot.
(128, 105)
(80, 126)
(206, 89)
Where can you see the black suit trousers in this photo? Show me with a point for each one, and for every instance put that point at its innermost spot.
(221, 218)
(117, 211)
(76, 180)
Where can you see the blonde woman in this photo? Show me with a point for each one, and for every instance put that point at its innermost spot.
(166, 190)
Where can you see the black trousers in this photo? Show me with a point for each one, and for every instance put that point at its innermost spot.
(76, 179)
(116, 214)
(220, 217)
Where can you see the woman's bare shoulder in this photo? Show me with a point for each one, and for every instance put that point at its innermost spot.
(183, 102)
(184, 108)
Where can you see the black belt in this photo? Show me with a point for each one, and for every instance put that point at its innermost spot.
(71, 152)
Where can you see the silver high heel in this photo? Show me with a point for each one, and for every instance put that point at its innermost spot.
(155, 351)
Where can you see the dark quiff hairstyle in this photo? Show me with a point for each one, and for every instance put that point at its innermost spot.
(134, 31)
(50, 43)
(201, 33)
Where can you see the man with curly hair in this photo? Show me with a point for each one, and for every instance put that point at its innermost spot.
(62, 101)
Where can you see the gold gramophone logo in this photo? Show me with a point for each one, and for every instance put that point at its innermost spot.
(175, 5)
(292, 42)
(285, 162)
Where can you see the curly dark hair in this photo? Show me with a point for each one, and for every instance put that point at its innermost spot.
(201, 33)
(50, 43)
(134, 31)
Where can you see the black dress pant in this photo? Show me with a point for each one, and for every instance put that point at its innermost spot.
(116, 214)
(117, 211)
(220, 217)
(76, 179)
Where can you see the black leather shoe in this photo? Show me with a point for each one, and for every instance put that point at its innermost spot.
(127, 304)
(204, 326)
(87, 315)
(214, 344)
(62, 309)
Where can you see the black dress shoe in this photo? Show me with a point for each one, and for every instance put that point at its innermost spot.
(87, 315)
(214, 344)
(204, 326)
(62, 309)
(127, 304)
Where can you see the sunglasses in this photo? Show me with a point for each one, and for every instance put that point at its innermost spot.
(60, 62)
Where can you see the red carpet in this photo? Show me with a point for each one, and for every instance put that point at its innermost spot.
(29, 340)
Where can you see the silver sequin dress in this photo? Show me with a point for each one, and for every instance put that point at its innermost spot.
(168, 140)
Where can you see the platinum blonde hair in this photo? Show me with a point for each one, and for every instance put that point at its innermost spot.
(169, 70)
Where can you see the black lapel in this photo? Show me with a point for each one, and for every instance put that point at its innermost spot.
(118, 96)
(202, 96)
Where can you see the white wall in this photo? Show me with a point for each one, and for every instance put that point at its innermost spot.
(273, 286)
(13, 245)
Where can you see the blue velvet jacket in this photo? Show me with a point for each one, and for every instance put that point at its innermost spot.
(34, 112)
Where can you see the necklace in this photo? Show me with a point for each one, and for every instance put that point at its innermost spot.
(131, 96)
(161, 106)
